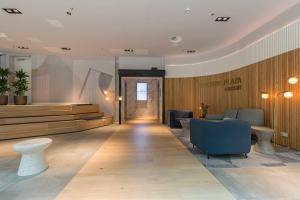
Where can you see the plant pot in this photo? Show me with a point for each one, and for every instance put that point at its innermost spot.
(3, 99)
(20, 100)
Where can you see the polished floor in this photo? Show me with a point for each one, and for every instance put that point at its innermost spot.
(66, 156)
(143, 161)
(140, 160)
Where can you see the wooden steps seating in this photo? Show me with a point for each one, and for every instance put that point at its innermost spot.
(36, 120)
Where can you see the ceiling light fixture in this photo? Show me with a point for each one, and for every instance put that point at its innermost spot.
(69, 12)
(187, 11)
(12, 11)
(22, 47)
(66, 48)
(190, 51)
(175, 39)
(222, 19)
(129, 50)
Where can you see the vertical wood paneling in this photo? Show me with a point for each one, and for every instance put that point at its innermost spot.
(269, 75)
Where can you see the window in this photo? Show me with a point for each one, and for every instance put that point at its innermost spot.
(141, 91)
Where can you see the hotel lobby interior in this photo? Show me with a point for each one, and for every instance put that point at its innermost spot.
(150, 99)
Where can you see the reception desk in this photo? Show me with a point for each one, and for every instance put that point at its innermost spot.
(45, 119)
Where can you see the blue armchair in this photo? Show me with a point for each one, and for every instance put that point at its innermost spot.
(175, 115)
(221, 137)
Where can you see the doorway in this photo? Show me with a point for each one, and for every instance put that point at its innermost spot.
(142, 94)
(142, 99)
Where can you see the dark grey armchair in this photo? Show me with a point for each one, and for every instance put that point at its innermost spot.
(175, 115)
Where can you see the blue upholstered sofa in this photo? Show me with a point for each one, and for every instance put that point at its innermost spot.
(175, 115)
(221, 137)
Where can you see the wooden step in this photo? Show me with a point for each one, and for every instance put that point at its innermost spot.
(24, 120)
(46, 128)
(45, 110)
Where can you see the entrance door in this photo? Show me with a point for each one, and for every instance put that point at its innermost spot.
(142, 98)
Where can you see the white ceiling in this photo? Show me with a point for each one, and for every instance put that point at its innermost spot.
(97, 26)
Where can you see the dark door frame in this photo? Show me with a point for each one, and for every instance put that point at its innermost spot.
(142, 73)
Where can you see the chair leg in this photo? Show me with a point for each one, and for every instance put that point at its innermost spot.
(193, 146)
(207, 156)
(246, 155)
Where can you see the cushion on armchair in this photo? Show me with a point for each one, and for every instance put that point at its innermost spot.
(231, 113)
(254, 116)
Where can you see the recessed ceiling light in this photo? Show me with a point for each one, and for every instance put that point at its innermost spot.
(175, 39)
(3, 35)
(190, 51)
(55, 23)
(22, 47)
(222, 19)
(66, 48)
(12, 11)
(129, 50)
(187, 11)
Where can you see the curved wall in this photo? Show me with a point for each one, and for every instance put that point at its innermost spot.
(242, 88)
(283, 40)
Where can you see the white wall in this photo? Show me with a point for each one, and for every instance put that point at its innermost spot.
(140, 62)
(276, 43)
(52, 79)
(59, 79)
(91, 92)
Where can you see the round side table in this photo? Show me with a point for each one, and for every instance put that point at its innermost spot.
(185, 123)
(264, 136)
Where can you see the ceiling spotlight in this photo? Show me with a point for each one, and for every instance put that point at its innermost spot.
(12, 11)
(222, 19)
(175, 39)
(69, 12)
(293, 80)
(65, 48)
(105, 92)
(120, 98)
(187, 11)
(107, 98)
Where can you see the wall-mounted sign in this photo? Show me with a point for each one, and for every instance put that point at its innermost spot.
(228, 84)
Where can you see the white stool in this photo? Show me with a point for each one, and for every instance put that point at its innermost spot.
(33, 159)
(264, 136)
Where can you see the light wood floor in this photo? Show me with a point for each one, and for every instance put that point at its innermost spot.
(143, 162)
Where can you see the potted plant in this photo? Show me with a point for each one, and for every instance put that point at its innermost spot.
(203, 110)
(4, 88)
(20, 87)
